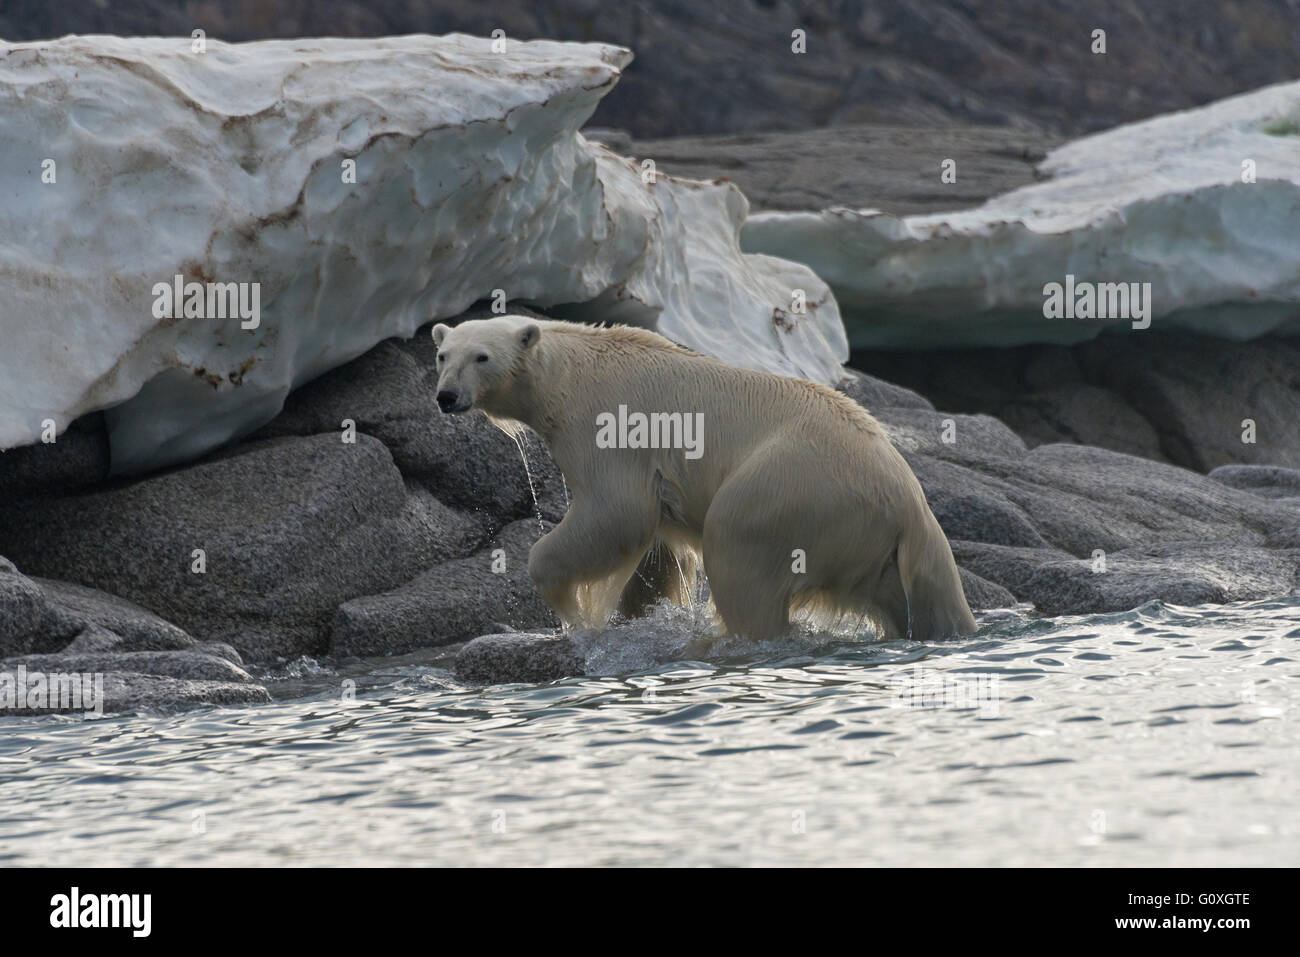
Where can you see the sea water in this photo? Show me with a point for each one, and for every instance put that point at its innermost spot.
(1161, 736)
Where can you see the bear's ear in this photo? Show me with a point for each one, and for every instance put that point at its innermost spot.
(440, 332)
(529, 335)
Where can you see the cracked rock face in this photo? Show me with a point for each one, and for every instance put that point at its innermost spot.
(356, 189)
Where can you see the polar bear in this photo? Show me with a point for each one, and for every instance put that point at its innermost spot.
(788, 491)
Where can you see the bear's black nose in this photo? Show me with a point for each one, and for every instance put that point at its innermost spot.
(447, 400)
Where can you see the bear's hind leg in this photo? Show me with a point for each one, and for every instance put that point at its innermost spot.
(747, 606)
(886, 602)
(749, 578)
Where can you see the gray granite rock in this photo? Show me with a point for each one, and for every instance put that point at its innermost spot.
(450, 602)
(1266, 481)
(889, 167)
(981, 517)
(1082, 414)
(190, 665)
(872, 393)
(290, 528)
(136, 628)
(950, 436)
(982, 594)
(730, 67)
(518, 657)
(126, 691)
(221, 650)
(75, 459)
(1032, 521)
(1079, 499)
(1170, 397)
(93, 639)
(113, 692)
(1182, 573)
(29, 622)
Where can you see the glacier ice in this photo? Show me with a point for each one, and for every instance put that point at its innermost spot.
(128, 162)
(1163, 201)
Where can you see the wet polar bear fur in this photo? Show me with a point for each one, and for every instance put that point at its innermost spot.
(787, 464)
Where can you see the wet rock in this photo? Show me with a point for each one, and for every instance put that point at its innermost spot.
(1181, 573)
(518, 657)
(114, 692)
(190, 665)
(450, 602)
(128, 691)
(1177, 573)
(982, 594)
(289, 529)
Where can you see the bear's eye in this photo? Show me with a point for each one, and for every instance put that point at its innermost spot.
(441, 357)
(482, 357)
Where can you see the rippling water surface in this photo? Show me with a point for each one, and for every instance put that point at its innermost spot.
(1163, 736)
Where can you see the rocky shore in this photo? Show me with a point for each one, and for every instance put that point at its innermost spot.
(359, 522)
(416, 535)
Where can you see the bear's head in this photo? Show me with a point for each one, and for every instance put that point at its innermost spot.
(477, 358)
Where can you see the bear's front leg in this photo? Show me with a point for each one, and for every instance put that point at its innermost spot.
(582, 565)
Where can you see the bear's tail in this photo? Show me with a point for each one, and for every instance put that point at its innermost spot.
(936, 603)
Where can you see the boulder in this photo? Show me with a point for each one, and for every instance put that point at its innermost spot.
(136, 628)
(518, 657)
(450, 602)
(1082, 414)
(982, 594)
(290, 528)
(29, 623)
(1204, 427)
(872, 393)
(1266, 481)
(1180, 573)
(190, 665)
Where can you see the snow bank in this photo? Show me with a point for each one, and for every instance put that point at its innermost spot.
(130, 162)
(1162, 201)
